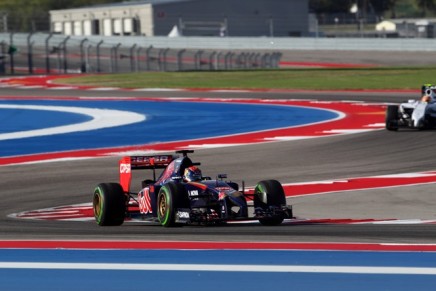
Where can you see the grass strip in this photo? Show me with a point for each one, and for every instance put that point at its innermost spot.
(307, 79)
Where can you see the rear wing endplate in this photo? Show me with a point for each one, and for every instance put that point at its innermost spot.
(129, 163)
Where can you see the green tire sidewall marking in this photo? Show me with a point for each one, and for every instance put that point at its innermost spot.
(98, 192)
(167, 210)
(259, 189)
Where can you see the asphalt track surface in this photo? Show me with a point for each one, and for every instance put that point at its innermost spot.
(36, 186)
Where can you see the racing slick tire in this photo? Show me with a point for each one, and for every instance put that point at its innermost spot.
(109, 204)
(269, 194)
(171, 197)
(392, 117)
(234, 185)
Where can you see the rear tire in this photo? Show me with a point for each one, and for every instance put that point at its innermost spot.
(171, 197)
(392, 117)
(269, 194)
(234, 185)
(109, 204)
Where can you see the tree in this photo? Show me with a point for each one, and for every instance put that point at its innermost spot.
(343, 6)
(330, 6)
(381, 6)
(426, 5)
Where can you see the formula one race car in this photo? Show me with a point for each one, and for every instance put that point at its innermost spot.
(182, 195)
(417, 114)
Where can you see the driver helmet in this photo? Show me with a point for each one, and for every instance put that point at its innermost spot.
(424, 88)
(430, 95)
(192, 174)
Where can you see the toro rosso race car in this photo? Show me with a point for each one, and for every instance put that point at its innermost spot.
(417, 114)
(182, 195)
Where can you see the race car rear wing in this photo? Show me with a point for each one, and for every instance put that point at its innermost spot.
(129, 163)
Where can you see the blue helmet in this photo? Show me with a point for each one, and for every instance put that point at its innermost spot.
(192, 174)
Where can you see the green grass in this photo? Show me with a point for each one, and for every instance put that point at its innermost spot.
(309, 79)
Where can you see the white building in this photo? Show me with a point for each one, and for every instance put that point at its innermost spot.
(190, 17)
(410, 27)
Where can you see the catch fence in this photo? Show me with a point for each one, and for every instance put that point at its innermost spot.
(36, 53)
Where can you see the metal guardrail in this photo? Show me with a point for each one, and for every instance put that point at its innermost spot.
(37, 53)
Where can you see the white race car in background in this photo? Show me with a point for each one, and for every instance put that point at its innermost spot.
(418, 114)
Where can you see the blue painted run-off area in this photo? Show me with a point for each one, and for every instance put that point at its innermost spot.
(165, 121)
(232, 278)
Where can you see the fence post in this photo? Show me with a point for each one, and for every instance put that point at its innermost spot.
(47, 53)
(82, 56)
(11, 54)
(250, 57)
(160, 59)
(3, 58)
(197, 59)
(147, 53)
(59, 57)
(212, 61)
(98, 56)
(218, 60)
(265, 61)
(114, 57)
(180, 59)
(64, 43)
(276, 60)
(165, 59)
(30, 52)
(242, 61)
(227, 60)
(138, 61)
(256, 60)
(132, 57)
(87, 62)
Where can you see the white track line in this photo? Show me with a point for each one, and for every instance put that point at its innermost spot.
(223, 268)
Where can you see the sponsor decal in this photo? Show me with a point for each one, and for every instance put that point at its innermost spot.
(144, 201)
(222, 195)
(183, 214)
(151, 160)
(125, 168)
(193, 193)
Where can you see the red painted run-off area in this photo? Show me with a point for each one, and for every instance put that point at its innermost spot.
(353, 184)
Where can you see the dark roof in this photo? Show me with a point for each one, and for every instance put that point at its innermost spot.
(137, 2)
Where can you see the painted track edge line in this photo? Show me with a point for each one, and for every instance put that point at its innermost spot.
(223, 268)
(197, 245)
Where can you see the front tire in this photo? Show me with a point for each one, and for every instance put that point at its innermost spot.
(392, 117)
(109, 204)
(269, 195)
(171, 197)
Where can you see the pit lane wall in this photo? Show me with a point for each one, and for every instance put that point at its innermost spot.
(36, 53)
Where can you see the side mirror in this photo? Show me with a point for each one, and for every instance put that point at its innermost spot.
(222, 176)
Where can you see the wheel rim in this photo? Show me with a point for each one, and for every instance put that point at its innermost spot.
(163, 205)
(97, 205)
